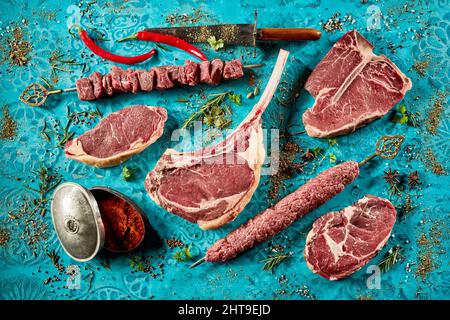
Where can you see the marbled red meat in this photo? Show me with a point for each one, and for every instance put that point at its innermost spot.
(118, 136)
(340, 243)
(352, 87)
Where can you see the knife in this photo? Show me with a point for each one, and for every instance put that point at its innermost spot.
(241, 34)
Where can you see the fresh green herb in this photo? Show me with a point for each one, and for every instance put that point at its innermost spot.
(216, 44)
(332, 142)
(403, 116)
(274, 260)
(332, 158)
(317, 152)
(391, 258)
(183, 255)
(236, 98)
(127, 174)
(215, 112)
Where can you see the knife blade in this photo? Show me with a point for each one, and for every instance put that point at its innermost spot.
(241, 34)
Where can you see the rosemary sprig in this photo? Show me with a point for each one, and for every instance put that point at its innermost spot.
(215, 112)
(58, 63)
(274, 260)
(391, 258)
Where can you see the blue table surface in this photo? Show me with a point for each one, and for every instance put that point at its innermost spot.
(408, 32)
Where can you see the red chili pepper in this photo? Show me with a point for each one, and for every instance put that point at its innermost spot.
(169, 40)
(110, 56)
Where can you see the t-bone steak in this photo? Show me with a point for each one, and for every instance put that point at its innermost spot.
(118, 136)
(211, 186)
(340, 243)
(352, 87)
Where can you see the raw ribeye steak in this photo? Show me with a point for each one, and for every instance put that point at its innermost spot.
(340, 243)
(211, 186)
(352, 87)
(118, 136)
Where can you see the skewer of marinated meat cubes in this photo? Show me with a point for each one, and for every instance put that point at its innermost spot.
(119, 80)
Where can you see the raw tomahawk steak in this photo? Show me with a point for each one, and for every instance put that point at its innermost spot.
(211, 186)
(118, 136)
(352, 87)
(340, 243)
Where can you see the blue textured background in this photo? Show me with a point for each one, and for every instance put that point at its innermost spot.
(22, 275)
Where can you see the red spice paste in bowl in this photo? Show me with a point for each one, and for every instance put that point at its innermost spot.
(124, 224)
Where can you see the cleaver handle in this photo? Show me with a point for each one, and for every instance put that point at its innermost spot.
(287, 34)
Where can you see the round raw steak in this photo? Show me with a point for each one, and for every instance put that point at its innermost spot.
(342, 242)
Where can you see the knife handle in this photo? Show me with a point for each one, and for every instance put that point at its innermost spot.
(288, 34)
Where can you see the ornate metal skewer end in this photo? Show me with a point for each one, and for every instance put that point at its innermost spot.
(34, 95)
(197, 263)
(388, 147)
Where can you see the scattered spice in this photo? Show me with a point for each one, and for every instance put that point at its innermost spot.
(421, 67)
(436, 111)
(184, 19)
(124, 226)
(174, 243)
(143, 264)
(8, 126)
(433, 163)
(287, 168)
(429, 244)
(29, 214)
(16, 48)
(5, 235)
(335, 22)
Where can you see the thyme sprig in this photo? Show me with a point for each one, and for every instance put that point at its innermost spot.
(391, 258)
(215, 112)
(274, 260)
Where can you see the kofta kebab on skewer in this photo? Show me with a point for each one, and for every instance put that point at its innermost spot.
(118, 80)
(305, 199)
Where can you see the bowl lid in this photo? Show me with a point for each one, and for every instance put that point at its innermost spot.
(77, 221)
